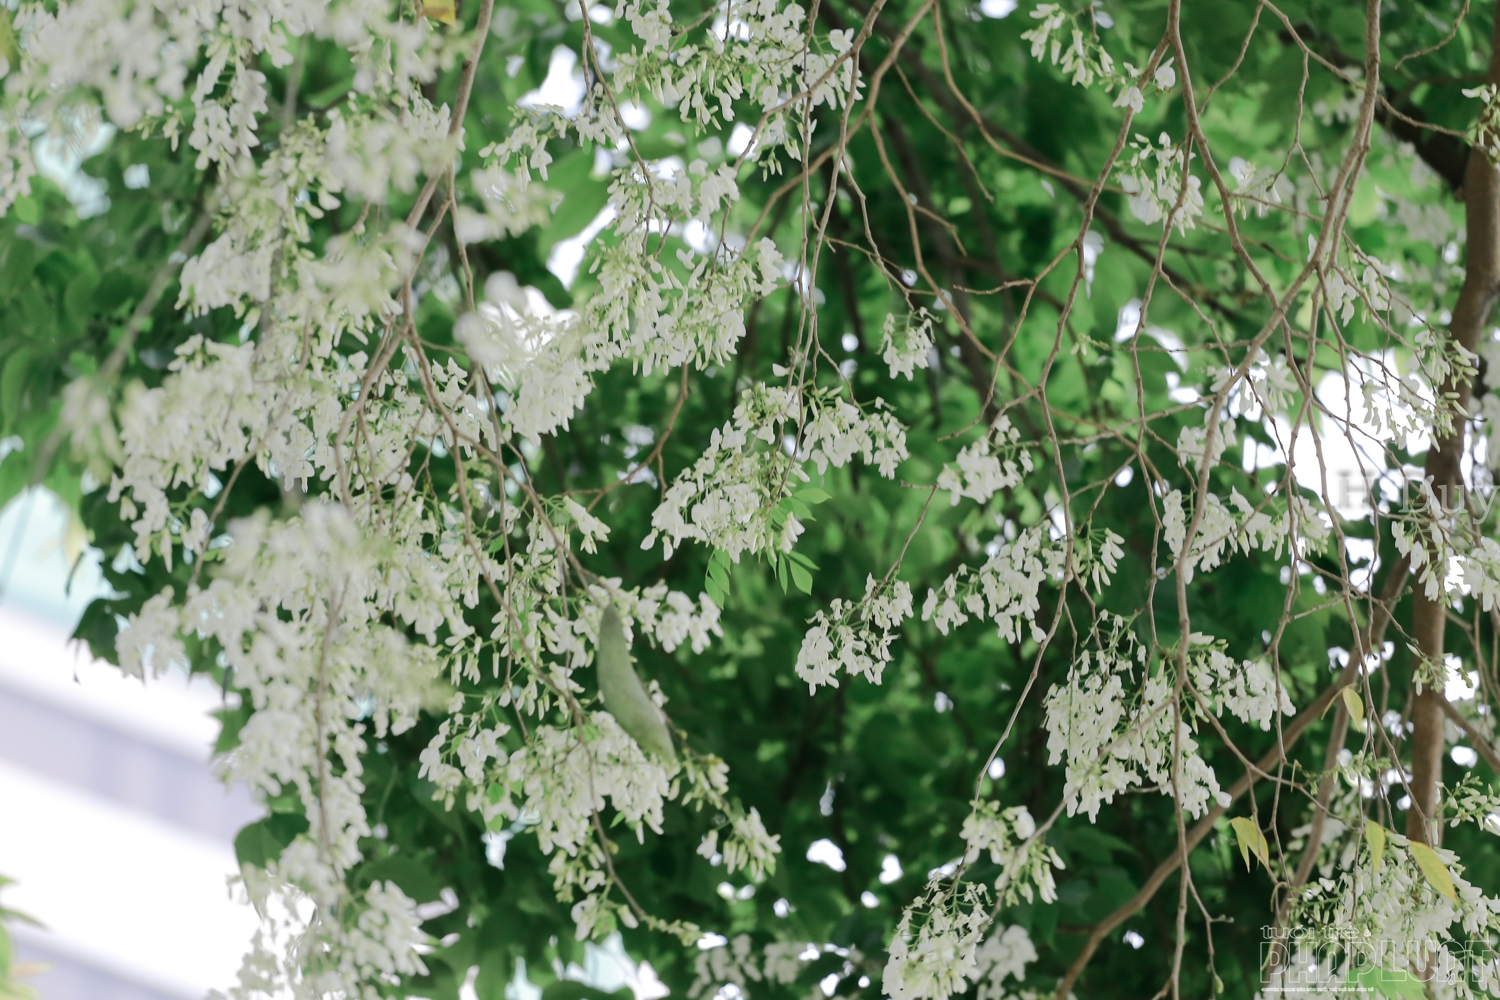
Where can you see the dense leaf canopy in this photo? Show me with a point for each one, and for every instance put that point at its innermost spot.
(1117, 320)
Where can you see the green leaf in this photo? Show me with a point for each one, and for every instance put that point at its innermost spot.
(801, 578)
(1252, 841)
(257, 844)
(26, 209)
(1434, 871)
(10, 48)
(13, 384)
(801, 559)
(798, 508)
(1375, 837)
(812, 495)
(567, 989)
(414, 877)
(1355, 706)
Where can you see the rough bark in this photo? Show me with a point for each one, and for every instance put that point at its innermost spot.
(1471, 313)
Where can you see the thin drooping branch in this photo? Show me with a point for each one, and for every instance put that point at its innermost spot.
(1380, 617)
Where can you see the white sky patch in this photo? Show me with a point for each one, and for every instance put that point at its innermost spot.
(563, 86)
(997, 9)
(700, 237)
(890, 869)
(1129, 321)
(1461, 684)
(739, 139)
(608, 967)
(566, 255)
(826, 852)
(635, 116)
(1352, 441)
(59, 157)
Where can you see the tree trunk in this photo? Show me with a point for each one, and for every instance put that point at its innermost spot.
(1476, 300)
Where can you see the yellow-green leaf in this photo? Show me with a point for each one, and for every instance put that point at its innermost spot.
(1252, 841)
(1434, 871)
(1375, 837)
(1355, 706)
(444, 11)
(10, 48)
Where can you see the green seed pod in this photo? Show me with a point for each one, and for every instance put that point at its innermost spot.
(624, 694)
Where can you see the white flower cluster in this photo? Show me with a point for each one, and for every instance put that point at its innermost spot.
(1097, 555)
(536, 358)
(914, 349)
(379, 941)
(1246, 528)
(1008, 836)
(1080, 56)
(1249, 689)
(1155, 179)
(1256, 191)
(1394, 909)
(1133, 97)
(987, 466)
(727, 497)
(1113, 734)
(1003, 956)
(1481, 569)
(1194, 446)
(735, 963)
(1438, 540)
(836, 430)
(759, 50)
(643, 309)
(1085, 60)
(1004, 589)
(854, 635)
(732, 498)
(299, 613)
(668, 618)
(747, 846)
(940, 956)
(563, 777)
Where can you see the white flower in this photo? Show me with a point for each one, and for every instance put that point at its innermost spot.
(1131, 98)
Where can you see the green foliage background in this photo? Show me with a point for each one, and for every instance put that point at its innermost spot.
(877, 769)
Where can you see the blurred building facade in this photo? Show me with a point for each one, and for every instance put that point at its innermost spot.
(112, 822)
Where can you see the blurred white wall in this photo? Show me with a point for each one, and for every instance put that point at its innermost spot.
(111, 821)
